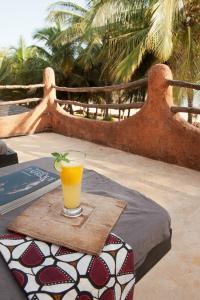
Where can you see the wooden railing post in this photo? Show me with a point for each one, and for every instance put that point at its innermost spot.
(49, 91)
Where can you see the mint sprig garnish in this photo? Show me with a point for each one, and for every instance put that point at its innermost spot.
(61, 156)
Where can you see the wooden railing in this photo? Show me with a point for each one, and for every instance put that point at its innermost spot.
(191, 110)
(26, 102)
(111, 88)
(22, 101)
(131, 85)
(135, 105)
(106, 107)
(24, 87)
(121, 107)
(185, 84)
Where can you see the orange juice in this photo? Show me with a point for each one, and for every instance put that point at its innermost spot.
(70, 166)
(71, 178)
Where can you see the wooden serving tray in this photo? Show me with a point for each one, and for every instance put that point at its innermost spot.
(43, 220)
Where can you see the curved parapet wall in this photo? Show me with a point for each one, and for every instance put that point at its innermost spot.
(36, 120)
(154, 131)
(30, 122)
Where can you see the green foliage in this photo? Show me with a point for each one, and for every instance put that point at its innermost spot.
(20, 65)
(121, 33)
(109, 41)
(60, 156)
(108, 118)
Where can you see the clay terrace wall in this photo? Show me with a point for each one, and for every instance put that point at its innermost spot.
(155, 131)
(30, 122)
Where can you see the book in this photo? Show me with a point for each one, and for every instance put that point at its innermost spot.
(15, 187)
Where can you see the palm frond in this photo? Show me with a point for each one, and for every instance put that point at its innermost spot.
(127, 67)
(43, 53)
(64, 16)
(160, 34)
(116, 11)
(67, 5)
(70, 34)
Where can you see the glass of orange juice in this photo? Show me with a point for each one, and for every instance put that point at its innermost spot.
(70, 166)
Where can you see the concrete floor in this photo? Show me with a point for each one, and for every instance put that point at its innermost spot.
(177, 275)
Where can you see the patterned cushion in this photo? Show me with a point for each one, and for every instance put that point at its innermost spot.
(46, 271)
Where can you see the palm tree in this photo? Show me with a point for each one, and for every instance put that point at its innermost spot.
(57, 56)
(25, 63)
(62, 57)
(18, 65)
(169, 29)
(185, 59)
(89, 44)
(5, 65)
(74, 19)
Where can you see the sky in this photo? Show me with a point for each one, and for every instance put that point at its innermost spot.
(22, 18)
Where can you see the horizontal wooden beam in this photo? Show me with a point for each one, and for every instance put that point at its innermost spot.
(102, 106)
(111, 88)
(22, 101)
(185, 84)
(25, 87)
(191, 110)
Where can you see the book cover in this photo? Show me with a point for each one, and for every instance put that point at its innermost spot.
(23, 182)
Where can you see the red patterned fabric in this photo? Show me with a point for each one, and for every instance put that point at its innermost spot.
(49, 272)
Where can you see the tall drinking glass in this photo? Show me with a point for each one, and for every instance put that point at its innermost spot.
(71, 178)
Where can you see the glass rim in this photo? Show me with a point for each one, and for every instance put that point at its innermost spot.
(74, 151)
(75, 155)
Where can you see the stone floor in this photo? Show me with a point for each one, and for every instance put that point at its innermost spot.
(177, 275)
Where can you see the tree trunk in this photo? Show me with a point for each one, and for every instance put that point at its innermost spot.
(106, 113)
(119, 116)
(88, 113)
(71, 109)
(70, 106)
(96, 114)
(190, 103)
